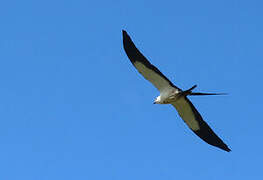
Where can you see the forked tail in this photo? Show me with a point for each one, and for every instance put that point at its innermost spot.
(190, 93)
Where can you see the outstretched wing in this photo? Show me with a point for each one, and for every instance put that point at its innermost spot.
(195, 122)
(149, 71)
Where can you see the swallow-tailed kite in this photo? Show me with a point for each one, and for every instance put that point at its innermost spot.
(170, 94)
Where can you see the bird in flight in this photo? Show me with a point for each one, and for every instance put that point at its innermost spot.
(170, 94)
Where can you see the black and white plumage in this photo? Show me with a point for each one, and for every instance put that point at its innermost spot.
(170, 94)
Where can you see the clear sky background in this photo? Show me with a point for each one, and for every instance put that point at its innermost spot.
(73, 107)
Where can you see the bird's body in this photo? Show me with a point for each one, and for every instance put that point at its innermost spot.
(170, 94)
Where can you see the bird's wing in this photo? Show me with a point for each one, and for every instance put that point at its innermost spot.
(149, 71)
(195, 122)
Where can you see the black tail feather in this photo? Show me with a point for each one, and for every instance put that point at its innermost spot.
(204, 94)
(190, 93)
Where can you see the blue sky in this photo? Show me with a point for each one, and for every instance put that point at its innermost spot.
(73, 107)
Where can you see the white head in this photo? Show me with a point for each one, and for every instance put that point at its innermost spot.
(157, 100)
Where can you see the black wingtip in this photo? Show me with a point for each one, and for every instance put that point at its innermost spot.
(124, 33)
(224, 147)
(227, 149)
(126, 38)
(207, 134)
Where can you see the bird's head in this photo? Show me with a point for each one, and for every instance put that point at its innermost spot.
(157, 100)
